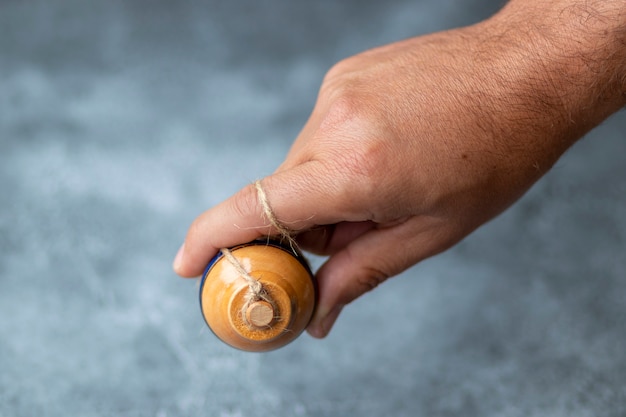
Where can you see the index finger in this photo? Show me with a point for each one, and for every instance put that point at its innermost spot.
(300, 198)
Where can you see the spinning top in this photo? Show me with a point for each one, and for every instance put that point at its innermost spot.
(259, 296)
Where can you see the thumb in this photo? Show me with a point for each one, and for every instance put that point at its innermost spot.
(370, 260)
(299, 199)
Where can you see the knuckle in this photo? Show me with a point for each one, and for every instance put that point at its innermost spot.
(355, 152)
(371, 277)
(345, 109)
(355, 141)
(345, 95)
(368, 275)
(340, 70)
(362, 172)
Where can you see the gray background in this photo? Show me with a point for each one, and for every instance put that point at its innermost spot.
(120, 121)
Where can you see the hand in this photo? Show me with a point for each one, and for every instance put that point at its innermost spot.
(410, 147)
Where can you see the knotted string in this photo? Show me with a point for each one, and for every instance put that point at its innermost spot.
(256, 290)
(268, 212)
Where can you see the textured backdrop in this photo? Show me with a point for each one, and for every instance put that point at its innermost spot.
(122, 120)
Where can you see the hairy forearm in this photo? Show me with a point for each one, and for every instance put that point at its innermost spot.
(580, 46)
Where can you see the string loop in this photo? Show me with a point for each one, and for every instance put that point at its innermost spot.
(285, 233)
(256, 291)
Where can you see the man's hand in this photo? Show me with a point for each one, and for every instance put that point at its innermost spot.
(412, 146)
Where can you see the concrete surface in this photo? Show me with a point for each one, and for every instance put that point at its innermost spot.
(120, 121)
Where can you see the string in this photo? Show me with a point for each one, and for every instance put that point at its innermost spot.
(256, 291)
(268, 212)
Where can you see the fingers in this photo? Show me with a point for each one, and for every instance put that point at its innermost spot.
(329, 239)
(369, 260)
(299, 198)
(227, 224)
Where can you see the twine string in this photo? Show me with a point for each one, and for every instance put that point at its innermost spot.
(284, 232)
(253, 283)
(256, 290)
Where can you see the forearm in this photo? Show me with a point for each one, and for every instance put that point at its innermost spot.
(577, 48)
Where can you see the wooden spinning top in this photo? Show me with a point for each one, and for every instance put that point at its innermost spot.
(267, 308)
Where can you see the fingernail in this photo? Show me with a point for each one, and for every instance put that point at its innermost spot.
(325, 323)
(178, 260)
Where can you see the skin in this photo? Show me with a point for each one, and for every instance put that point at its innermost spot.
(412, 146)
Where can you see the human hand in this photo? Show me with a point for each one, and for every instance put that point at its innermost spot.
(410, 147)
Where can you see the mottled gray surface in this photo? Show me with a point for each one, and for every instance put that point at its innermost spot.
(120, 121)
